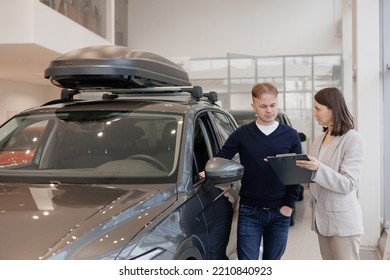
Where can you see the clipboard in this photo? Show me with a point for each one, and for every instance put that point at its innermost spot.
(285, 167)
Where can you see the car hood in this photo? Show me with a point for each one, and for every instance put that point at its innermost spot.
(76, 221)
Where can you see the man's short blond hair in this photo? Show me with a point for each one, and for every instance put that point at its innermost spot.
(261, 88)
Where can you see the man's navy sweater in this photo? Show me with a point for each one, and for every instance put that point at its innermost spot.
(260, 186)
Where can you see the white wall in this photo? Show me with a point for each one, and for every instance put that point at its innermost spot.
(16, 15)
(60, 33)
(29, 21)
(17, 97)
(369, 100)
(213, 28)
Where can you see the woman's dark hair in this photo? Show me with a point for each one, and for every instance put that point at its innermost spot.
(333, 98)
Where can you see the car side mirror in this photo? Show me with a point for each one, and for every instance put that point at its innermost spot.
(222, 171)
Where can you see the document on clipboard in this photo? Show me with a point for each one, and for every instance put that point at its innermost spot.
(288, 172)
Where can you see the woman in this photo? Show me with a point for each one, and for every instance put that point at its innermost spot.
(336, 160)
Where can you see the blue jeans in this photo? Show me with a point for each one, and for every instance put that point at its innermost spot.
(256, 223)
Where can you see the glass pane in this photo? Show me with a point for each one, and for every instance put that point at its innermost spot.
(277, 82)
(327, 71)
(294, 100)
(242, 67)
(19, 148)
(298, 83)
(218, 85)
(224, 126)
(208, 69)
(241, 102)
(270, 67)
(281, 101)
(295, 77)
(241, 85)
(298, 66)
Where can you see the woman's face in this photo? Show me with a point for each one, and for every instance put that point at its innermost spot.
(323, 114)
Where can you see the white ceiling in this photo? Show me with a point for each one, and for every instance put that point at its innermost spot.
(25, 63)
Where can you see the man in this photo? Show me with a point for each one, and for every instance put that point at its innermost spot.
(266, 204)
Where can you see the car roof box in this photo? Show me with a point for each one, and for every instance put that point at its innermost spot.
(114, 67)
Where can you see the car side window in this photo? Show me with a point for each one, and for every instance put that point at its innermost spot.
(205, 145)
(22, 146)
(224, 126)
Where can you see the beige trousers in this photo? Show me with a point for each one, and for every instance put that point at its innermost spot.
(339, 247)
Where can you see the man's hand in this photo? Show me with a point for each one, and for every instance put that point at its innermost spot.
(286, 211)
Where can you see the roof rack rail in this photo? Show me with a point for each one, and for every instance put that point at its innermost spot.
(67, 94)
(212, 96)
(195, 91)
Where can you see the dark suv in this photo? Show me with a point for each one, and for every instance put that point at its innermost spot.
(115, 174)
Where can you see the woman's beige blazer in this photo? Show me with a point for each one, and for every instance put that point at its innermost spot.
(334, 194)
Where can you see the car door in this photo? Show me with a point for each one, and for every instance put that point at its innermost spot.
(217, 201)
(224, 125)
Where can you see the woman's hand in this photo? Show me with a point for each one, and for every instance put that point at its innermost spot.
(311, 164)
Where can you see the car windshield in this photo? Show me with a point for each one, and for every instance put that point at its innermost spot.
(90, 147)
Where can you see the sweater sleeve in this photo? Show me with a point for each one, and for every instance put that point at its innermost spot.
(343, 173)
(292, 195)
(231, 146)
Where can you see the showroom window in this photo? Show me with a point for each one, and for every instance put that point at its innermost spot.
(296, 77)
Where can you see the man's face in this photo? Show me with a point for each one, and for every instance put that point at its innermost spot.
(266, 108)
